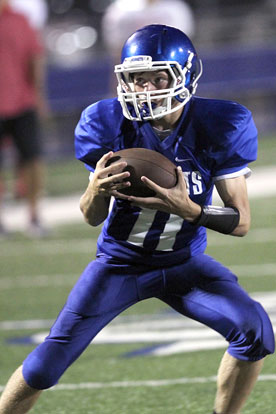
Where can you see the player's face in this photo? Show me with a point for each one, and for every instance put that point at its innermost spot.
(151, 81)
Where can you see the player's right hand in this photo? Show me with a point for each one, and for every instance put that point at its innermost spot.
(107, 181)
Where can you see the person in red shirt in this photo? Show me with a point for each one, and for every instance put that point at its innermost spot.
(21, 102)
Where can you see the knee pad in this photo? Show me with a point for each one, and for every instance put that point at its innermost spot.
(255, 339)
(44, 366)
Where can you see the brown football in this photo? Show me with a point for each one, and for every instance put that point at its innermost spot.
(152, 164)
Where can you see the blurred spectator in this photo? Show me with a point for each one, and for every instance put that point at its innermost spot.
(123, 17)
(36, 11)
(22, 102)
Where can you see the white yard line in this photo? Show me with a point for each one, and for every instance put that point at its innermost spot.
(158, 335)
(149, 323)
(146, 383)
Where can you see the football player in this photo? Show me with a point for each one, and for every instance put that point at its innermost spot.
(154, 247)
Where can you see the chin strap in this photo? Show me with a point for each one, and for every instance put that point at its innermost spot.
(221, 219)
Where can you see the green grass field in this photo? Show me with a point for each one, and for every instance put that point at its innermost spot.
(36, 276)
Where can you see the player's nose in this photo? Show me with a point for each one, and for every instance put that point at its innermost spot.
(149, 86)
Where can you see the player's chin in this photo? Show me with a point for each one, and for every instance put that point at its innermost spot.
(157, 102)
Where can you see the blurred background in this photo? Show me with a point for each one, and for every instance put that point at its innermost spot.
(236, 40)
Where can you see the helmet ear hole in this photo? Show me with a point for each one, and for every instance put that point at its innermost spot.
(184, 95)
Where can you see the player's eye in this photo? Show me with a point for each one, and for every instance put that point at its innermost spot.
(161, 81)
(139, 81)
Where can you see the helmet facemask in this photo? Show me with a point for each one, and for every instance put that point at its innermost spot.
(141, 106)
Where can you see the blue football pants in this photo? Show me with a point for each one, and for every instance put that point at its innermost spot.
(200, 288)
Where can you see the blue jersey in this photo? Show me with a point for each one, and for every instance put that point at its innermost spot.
(214, 139)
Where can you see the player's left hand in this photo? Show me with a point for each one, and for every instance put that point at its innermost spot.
(174, 200)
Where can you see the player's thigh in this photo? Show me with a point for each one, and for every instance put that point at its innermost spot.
(102, 288)
(217, 300)
(100, 294)
(207, 291)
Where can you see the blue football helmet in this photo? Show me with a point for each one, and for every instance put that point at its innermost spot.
(156, 48)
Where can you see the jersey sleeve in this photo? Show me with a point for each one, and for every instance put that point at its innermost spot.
(237, 146)
(96, 133)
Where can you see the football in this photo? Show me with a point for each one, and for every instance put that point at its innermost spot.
(145, 162)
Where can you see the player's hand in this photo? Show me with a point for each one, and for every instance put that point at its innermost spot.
(108, 181)
(173, 200)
